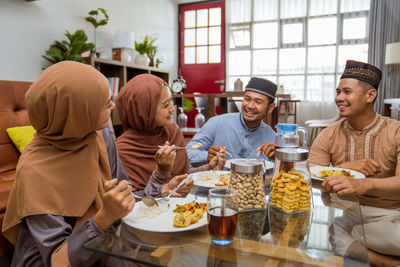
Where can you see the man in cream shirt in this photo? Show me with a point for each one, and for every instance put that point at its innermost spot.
(369, 143)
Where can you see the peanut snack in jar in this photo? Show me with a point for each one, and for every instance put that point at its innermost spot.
(246, 178)
(290, 188)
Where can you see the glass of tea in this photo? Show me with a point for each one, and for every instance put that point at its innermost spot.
(222, 207)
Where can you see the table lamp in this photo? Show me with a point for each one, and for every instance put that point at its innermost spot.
(392, 55)
(123, 45)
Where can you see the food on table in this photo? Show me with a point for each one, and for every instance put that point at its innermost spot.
(290, 191)
(189, 213)
(327, 173)
(214, 178)
(224, 178)
(250, 190)
(251, 223)
(289, 229)
(145, 212)
(196, 145)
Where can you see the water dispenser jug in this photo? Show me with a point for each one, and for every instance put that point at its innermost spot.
(288, 136)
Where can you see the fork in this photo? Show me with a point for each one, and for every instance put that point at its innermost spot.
(166, 199)
(176, 148)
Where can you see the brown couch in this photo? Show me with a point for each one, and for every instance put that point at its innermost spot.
(13, 113)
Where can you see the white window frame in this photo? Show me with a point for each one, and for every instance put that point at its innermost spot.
(305, 20)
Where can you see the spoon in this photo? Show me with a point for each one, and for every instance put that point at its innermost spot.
(147, 200)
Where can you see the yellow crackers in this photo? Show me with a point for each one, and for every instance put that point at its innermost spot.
(290, 191)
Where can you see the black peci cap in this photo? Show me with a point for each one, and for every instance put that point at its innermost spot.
(262, 86)
(363, 72)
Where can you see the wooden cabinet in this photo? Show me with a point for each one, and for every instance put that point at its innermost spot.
(125, 72)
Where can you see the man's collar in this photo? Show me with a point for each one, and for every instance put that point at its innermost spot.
(245, 125)
(366, 128)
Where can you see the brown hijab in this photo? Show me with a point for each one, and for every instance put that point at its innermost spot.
(137, 104)
(61, 172)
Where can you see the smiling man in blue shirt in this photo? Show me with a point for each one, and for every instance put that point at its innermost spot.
(242, 134)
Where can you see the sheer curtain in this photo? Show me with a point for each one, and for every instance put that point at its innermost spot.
(300, 44)
(384, 28)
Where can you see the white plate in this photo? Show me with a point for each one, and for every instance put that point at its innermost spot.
(268, 164)
(316, 169)
(164, 222)
(207, 184)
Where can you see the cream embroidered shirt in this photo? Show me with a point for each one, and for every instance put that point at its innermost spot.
(380, 141)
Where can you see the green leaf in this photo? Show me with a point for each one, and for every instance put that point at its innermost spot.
(93, 12)
(102, 22)
(188, 104)
(53, 61)
(104, 12)
(91, 20)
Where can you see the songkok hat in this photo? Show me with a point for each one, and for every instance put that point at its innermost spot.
(363, 72)
(262, 86)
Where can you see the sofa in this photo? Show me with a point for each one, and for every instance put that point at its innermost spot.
(13, 112)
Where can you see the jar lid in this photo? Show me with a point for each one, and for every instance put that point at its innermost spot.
(246, 165)
(292, 154)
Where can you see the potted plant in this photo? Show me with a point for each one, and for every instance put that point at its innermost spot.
(144, 49)
(158, 62)
(97, 18)
(69, 50)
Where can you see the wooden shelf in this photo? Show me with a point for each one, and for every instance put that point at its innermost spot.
(125, 72)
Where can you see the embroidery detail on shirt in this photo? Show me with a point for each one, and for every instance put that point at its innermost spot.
(368, 138)
(372, 123)
(367, 142)
(352, 144)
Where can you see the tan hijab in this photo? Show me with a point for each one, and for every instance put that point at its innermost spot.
(137, 104)
(61, 172)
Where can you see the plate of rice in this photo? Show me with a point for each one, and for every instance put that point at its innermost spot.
(160, 219)
(211, 179)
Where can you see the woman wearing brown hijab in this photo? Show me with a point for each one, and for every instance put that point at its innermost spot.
(62, 195)
(145, 108)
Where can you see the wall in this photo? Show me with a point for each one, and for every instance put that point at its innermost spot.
(28, 28)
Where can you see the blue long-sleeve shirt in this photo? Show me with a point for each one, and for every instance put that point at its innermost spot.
(229, 130)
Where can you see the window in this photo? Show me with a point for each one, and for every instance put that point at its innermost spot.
(202, 36)
(300, 44)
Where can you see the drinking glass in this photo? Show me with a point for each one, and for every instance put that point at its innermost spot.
(199, 119)
(222, 205)
(182, 118)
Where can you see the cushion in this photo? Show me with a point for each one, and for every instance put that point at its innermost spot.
(21, 136)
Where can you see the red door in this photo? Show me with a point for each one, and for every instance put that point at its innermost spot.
(202, 48)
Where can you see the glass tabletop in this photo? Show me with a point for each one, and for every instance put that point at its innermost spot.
(269, 237)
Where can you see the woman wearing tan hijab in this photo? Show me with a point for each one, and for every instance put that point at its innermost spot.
(62, 196)
(145, 108)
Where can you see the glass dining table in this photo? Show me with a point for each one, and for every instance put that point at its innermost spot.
(267, 237)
